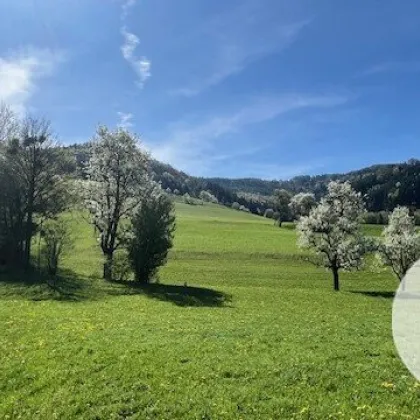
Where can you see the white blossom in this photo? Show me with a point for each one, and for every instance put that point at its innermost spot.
(400, 246)
(118, 182)
(208, 197)
(332, 230)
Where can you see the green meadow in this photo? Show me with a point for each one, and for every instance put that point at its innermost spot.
(241, 325)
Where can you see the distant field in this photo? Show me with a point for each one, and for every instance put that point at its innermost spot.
(240, 326)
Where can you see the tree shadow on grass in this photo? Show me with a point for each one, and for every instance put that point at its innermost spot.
(39, 286)
(69, 286)
(375, 294)
(177, 294)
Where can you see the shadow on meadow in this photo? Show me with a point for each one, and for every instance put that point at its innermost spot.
(38, 286)
(176, 294)
(69, 286)
(375, 294)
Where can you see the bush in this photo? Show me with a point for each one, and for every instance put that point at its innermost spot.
(152, 236)
(188, 199)
(371, 218)
(383, 217)
(57, 240)
(208, 197)
(376, 218)
(417, 217)
(269, 213)
(236, 206)
(243, 208)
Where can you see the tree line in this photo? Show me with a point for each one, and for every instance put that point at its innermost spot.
(383, 186)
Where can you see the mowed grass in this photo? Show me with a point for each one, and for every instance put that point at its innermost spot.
(241, 326)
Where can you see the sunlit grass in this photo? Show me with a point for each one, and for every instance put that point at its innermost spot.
(248, 329)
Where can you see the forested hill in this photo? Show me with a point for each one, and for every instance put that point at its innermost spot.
(384, 186)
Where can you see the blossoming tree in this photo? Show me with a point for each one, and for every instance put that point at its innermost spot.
(332, 230)
(400, 247)
(118, 182)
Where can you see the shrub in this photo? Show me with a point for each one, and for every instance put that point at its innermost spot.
(376, 218)
(57, 240)
(236, 206)
(269, 213)
(417, 217)
(208, 197)
(383, 217)
(153, 229)
(370, 218)
(188, 199)
(176, 192)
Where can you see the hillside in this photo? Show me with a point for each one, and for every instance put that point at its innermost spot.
(384, 186)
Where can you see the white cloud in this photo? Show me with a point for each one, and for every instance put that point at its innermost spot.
(195, 148)
(393, 67)
(125, 120)
(140, 65)
(20, 72)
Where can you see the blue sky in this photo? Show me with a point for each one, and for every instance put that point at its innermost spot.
(259, 88)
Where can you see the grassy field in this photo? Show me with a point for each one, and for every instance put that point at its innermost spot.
(241, 326)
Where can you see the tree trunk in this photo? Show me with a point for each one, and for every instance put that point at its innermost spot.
(29, 219)
(402, 282)
(108, 267)
(336, 280)
(28, 238)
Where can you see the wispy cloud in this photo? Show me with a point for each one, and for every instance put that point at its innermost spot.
(21, 71)
(140, 64)
(196, 148)
(125, 119)
(125, 8)
(393, 67)
(237, 39)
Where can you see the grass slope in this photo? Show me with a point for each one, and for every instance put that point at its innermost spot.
(241, 326)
